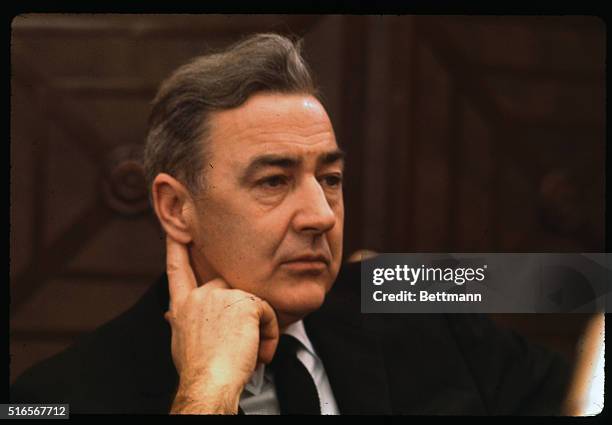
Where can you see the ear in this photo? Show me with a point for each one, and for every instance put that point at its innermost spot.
(174, 207)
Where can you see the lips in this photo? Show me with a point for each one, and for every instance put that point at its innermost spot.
(309, 258)
(309, 264)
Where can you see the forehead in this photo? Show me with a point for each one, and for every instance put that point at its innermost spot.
(271, 122)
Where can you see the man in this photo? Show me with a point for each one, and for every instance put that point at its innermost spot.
(246, 180)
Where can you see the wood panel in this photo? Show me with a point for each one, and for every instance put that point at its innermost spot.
(462, 133)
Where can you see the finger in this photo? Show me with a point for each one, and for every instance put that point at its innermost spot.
(216, 283)
(181, 279)
(268, 333)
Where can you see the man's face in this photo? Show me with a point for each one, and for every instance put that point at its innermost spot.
(270, 217)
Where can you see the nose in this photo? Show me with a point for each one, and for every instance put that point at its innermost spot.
(314, 214)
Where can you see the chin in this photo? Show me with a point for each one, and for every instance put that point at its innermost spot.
(297, 303)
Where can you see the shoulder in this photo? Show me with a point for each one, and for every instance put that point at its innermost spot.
(110, 369)
(433, 358)
(514, 375)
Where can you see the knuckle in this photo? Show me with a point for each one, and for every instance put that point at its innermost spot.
(170, 316)
(172, 268)
(198, 294)
(214, 293)
(252, 299)
(244, 294)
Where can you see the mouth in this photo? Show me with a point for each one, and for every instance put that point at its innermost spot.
(307, 263)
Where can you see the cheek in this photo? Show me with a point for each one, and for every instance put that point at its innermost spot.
(219, 240)
(243, 248)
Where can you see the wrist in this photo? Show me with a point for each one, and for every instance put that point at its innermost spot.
(209, 394)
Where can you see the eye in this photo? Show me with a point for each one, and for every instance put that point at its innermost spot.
(273, 182)
(332, 180)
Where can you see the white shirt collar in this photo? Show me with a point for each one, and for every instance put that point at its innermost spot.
(261, 374)
(298, 331)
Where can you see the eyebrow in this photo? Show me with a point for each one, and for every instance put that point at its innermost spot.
(328, 158)
(288, 162)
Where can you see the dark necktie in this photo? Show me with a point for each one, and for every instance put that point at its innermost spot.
(295, 388)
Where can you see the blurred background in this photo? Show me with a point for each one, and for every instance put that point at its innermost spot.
(463, 134)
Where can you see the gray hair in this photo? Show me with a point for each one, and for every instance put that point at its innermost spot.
(179, 120)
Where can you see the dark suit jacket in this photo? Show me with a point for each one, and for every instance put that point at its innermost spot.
(387, 364)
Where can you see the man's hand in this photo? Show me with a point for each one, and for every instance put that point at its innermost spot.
(219, 334)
